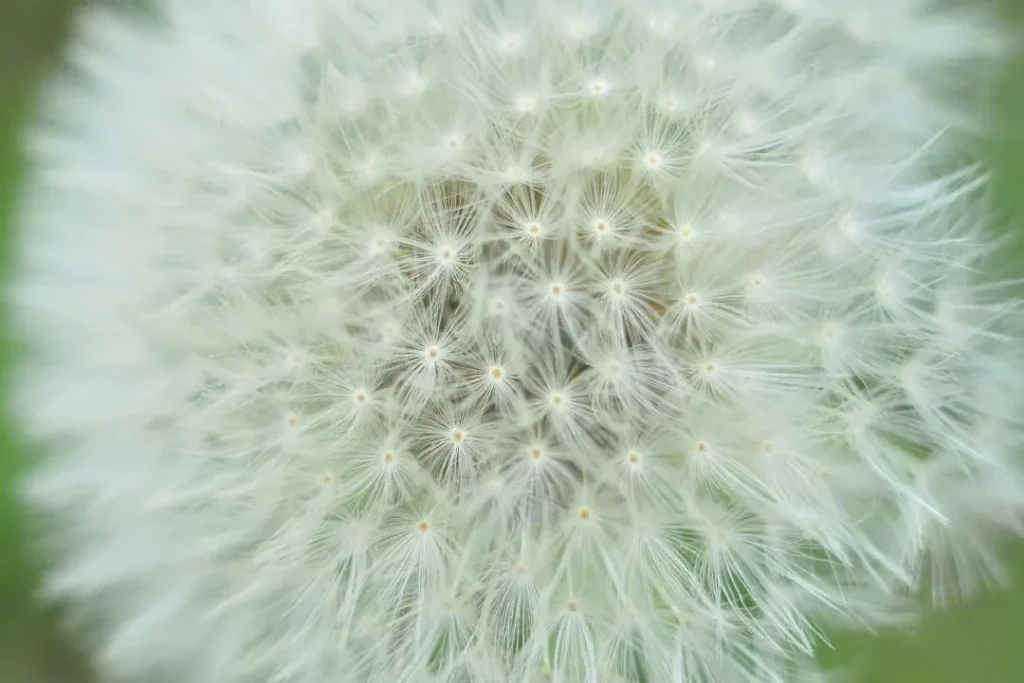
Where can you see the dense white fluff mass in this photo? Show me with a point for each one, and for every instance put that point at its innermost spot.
(503, 341)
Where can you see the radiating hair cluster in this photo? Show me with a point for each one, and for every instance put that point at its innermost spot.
(504, 341)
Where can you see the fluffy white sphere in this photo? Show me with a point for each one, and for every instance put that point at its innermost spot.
(507, 340)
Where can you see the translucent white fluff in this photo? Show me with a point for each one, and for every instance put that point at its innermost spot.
(506, 340)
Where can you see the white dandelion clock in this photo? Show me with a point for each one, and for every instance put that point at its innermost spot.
(464, 341)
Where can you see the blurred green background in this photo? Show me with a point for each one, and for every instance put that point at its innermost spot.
(982, 642)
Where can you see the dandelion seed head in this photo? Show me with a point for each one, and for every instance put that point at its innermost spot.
(471, 341)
